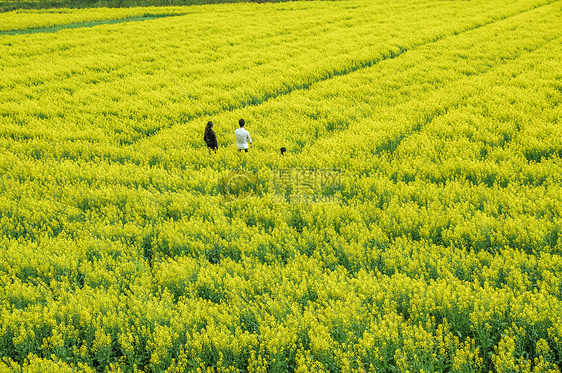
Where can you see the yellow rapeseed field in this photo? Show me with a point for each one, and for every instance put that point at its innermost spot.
(413, 225)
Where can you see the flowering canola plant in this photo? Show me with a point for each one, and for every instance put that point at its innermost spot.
(438, 250)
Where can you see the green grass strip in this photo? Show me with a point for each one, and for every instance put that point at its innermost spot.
(84, 24)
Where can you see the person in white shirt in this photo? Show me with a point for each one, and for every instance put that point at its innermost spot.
(242, 137)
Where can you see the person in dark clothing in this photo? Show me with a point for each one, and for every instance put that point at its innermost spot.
(210, 138)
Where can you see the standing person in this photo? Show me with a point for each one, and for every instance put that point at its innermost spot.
(242, 137)
(210, 138)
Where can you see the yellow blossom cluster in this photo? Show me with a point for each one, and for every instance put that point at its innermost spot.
(436, 245)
